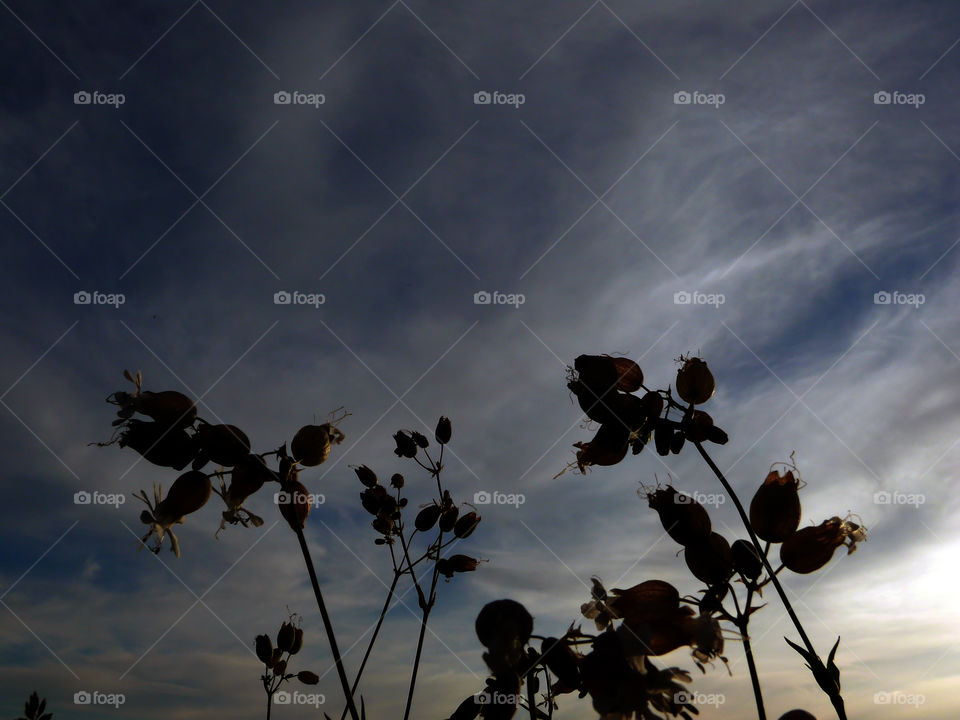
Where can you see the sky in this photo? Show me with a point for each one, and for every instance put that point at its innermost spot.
(771, 185)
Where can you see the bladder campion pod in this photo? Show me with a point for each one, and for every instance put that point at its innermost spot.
(697, 426)
(608, 447)
(684, 519)
(295, 504)
(629, 374)
(466, 524)
(775, 508)
(224, 444)
(746, 560)
(810, 548)
(427, 517)
(311, 445)
(248, 477)
(710, 560)
(159, 444)
(695, 383)
(188, 494)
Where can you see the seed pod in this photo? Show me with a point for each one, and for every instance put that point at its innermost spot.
(286, 636)
(561, 661)
(684, 519)
(653, 402)
(295, 505)
(297, 641)
(652, 601)
(697, 426)
(466, 524)
(396, 481)
(628, 410)
(695, 383)
(277, 654)
(159, 444)
(280, 667)
(427, 517)
(608, 447)
(663, 436)
(248, 477)
(629, 374)
(264, 649)
(503, 622)
(188, 494)
(375, 498)
(448, 518)
(745, 559)
(716, 435)
(444, 430)
(419, 439)
(169, 408)
(406, 447)
(676, 442)
(810, 548)
(598, 372)
(224, 444)
(797, 715)
(775, 508)
(308, 677)
(366, 476)
(595, 405)
(710, 561)
(456, 564)
(311, 445)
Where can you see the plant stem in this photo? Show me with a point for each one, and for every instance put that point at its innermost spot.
(835, 697)
(269, 704)
(423, 631)
(328, 626)
(373, 638)
(742, 623)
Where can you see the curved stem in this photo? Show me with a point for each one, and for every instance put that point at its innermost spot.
(742, 624)
(423, 630)
(835, 697)
(327, 625)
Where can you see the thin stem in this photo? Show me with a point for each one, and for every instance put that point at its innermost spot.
(373, 638)
(327, 625)
(423, 631)
(835, 697)
(531, 699)
(742, 623)
(269, 704)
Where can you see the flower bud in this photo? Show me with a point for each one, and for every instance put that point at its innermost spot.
(295, 507)
(684, 519)
(695, 383)
(396, 481)
(297, 641)
(419, 439)
(406, 447)
(444, 430)
(366, 476)
(280, 667)
(308, 677)
(427, 517)
(275, 658)
(676, 442)
(466, 524)
(448, 518)
(775, 508)
(264, 650)
(745, 559)
(286, 636)
(710, 560)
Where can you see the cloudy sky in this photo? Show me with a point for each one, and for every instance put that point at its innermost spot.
(789, 170)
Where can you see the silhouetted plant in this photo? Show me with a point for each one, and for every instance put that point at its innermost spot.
(34, 708)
